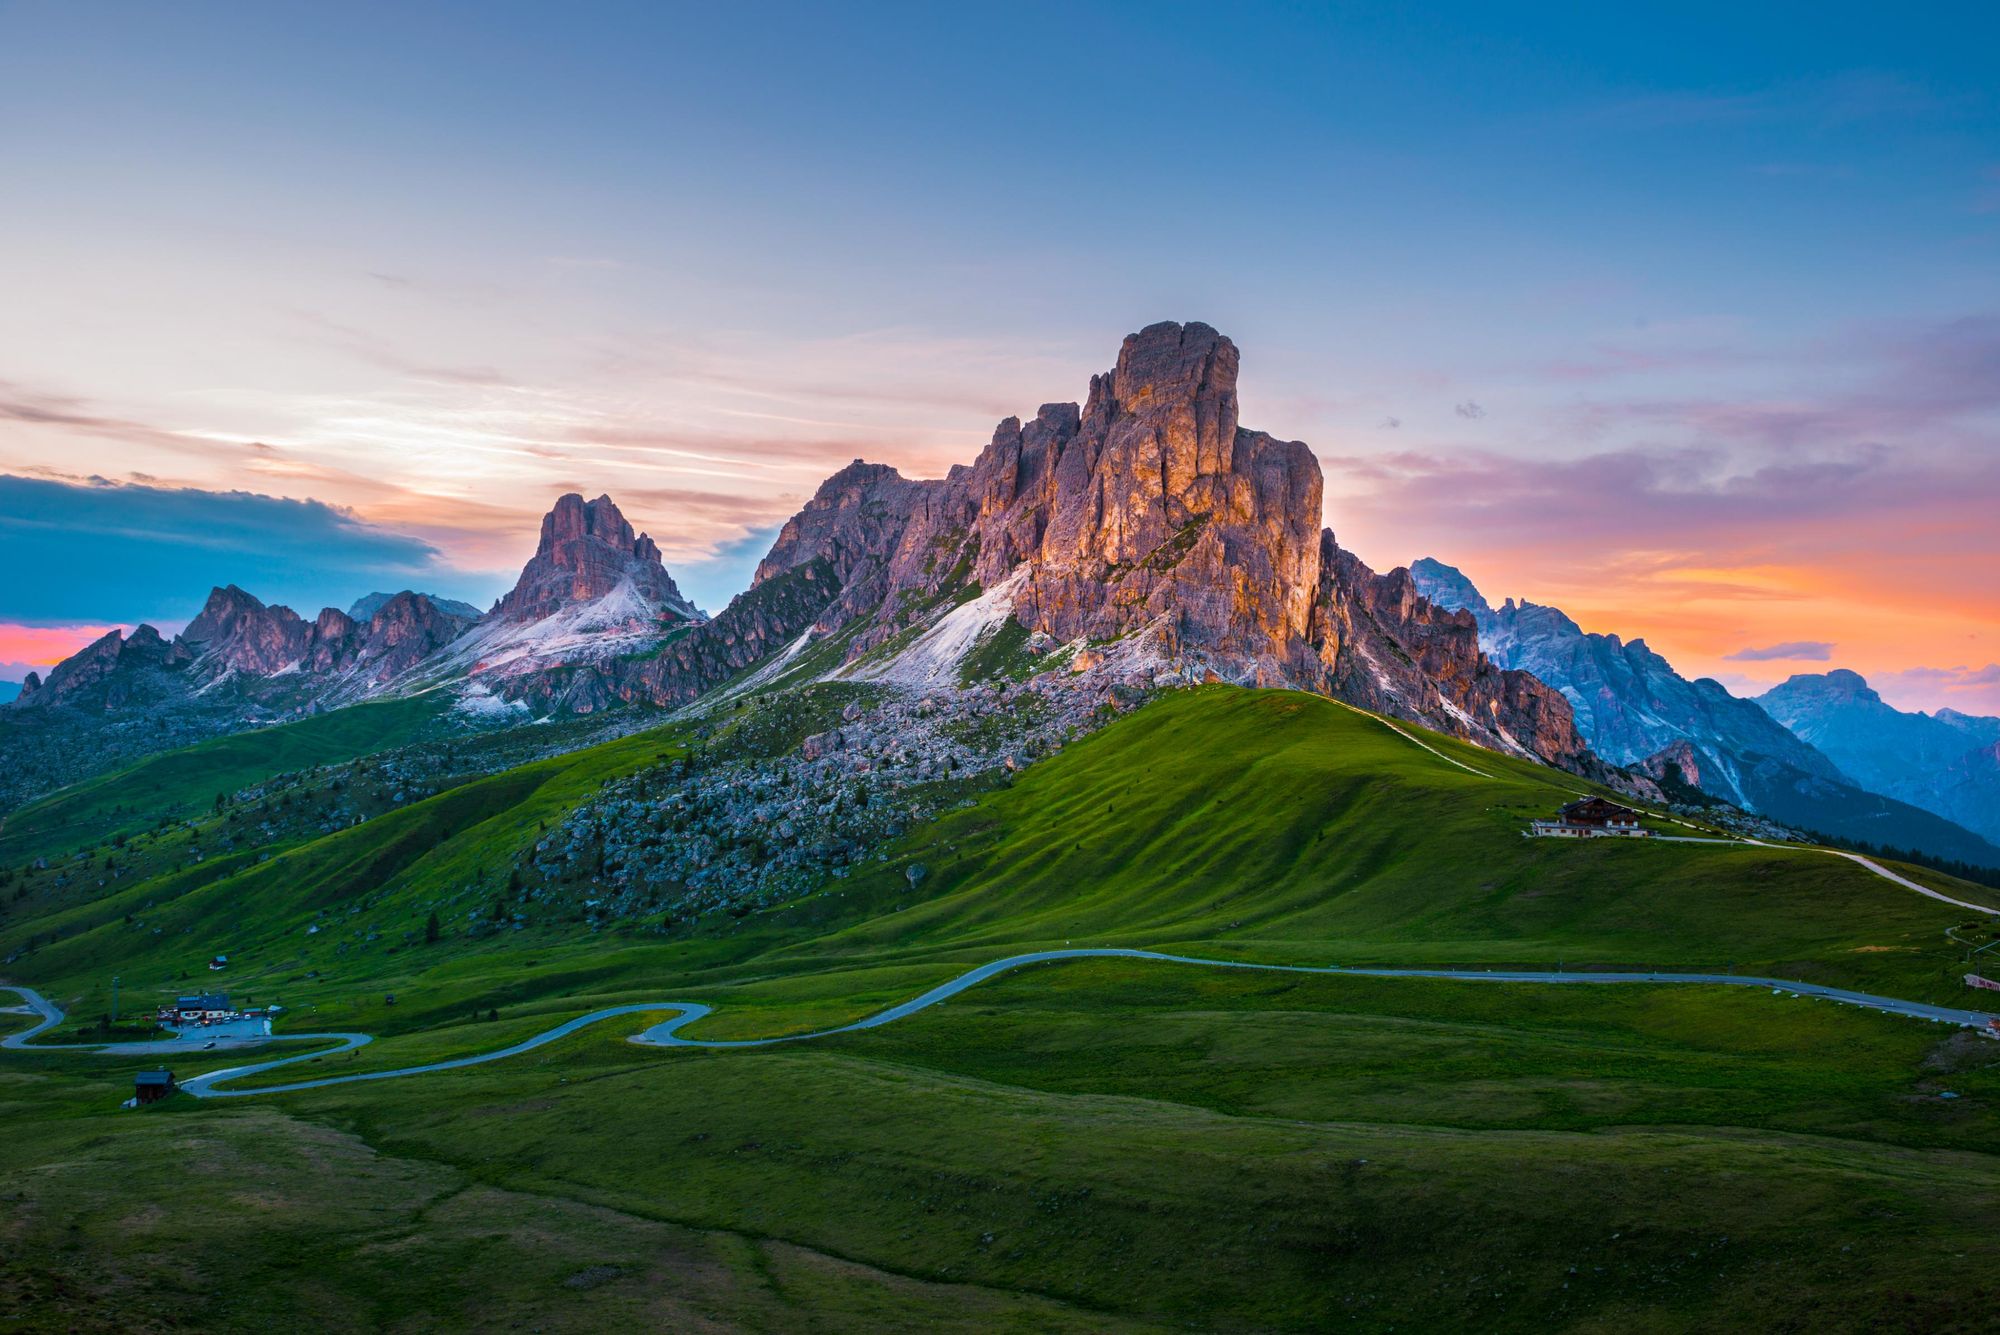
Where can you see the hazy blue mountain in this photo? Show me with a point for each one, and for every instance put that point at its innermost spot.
(1629, 701)
(1631, 705)
(8, 690)
(368, 606)
(1949, 765)
(1976, 726)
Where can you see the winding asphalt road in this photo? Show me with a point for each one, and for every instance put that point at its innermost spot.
(667, 1032)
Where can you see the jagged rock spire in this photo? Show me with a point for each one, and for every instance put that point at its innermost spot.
(587, 551)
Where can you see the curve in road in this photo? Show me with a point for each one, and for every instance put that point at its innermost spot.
(667, 1032)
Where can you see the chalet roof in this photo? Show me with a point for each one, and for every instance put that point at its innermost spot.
(204, 1001)
(150, 1079)
(1597, 807)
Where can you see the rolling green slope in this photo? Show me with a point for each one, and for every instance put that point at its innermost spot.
(1259, 824)
(184, 782)
(1096, 1145)
(1275, 825)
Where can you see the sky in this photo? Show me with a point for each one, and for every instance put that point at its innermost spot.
(1685, 319)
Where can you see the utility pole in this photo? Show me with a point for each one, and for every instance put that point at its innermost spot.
(114, 998)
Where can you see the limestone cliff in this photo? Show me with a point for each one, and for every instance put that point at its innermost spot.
(1151, 511)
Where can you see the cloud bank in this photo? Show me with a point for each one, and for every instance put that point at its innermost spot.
(132, 553)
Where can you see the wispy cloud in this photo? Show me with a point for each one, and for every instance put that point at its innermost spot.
(1811, 651)
(67, 413)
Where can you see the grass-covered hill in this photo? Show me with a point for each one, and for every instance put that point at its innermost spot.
(1083, 1146)
(185, 782)
(1259, 824)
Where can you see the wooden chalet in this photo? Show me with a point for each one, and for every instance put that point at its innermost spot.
(1591, 817)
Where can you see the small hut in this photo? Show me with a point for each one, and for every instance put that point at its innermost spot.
(152, 1086)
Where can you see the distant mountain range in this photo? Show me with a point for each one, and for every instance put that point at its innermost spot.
(1140, 539)
(365, 608)
(1143, 538)
(1946, 762)
(1634, 709)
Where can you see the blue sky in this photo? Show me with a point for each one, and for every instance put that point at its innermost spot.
(1659, 314)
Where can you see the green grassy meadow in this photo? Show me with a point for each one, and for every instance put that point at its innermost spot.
(1088, 1145)
(182, 783)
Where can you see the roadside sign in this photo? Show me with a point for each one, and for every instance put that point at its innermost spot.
(1974, 980)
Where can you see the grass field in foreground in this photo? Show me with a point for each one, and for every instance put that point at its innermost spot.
(1089, 1145)
(1080, 1146)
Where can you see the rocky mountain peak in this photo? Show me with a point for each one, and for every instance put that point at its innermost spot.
(96, 671)
(1846, 681)
(1931, 762)
(572, 518)
(1150, 516)
(1804, 697)
(1153, 507)
(588, 551)
(241, 632)
(226, 613)
(1448, 587)
(364, 608)
(1185, 373)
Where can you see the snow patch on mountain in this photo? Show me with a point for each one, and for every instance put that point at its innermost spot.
(624, 621)
(933, 658)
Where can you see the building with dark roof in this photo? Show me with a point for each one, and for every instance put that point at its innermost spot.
(1591, 817)
(152, 1086)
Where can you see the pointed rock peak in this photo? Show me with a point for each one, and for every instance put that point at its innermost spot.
(1167, 366)
(224, 606)
(1447, 587)
(332, 623)
(365, 608)
(574, 519)
(587, 550)
(857, 475)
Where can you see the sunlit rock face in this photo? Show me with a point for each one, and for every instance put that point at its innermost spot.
(1146, 533)
(1151, 510)
(588, 551)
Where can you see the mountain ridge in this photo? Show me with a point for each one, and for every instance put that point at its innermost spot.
(1141, 539)
(1947, 765)
(1634, 709)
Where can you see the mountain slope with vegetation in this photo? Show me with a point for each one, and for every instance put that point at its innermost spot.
(1358, 1151)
